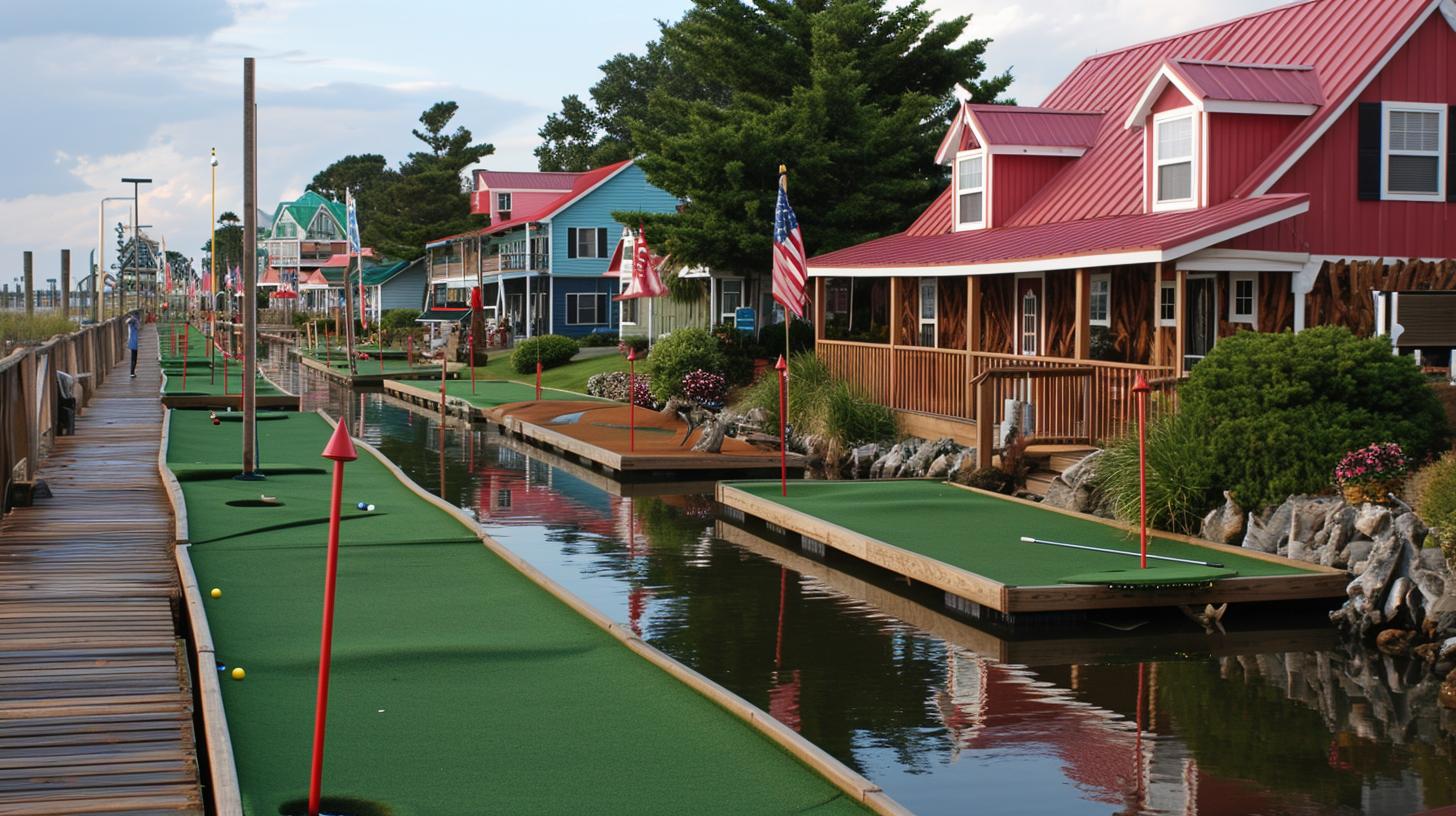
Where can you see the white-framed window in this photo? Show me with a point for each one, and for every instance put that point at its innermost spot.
(1413, 151)
(586, 308)
(1244, 298)
(587, 242)
(503, 202)
(927, 312)
(1175, 177)
(1167, 303)
(1100, 311)
(628, 309)
(971, 190)
(730, 297)
(1030, 323)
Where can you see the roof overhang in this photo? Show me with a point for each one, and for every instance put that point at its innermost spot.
(1072, 260)
(1168, 74)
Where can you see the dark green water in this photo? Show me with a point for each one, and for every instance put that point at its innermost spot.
(1276, 717)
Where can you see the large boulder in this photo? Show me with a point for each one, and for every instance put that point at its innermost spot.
(1224, 525)
(1370, 519)
(1307, 522)
(919, 463)
(861, 458)
(1076, 488)
(1269, 532)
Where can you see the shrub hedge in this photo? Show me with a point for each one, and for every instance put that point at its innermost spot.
(553, 350)
(679, 353)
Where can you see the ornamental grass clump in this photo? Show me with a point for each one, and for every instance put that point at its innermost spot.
(1435, 502)
(1181, 483)
(821, 405)
(1372, 473)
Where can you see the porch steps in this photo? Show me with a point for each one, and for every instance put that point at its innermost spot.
(1049, 462)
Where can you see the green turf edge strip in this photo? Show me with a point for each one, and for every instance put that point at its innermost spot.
(839, 774)
(226, 792)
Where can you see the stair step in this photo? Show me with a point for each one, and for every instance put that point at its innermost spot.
(1061, 461)
(1039, 481)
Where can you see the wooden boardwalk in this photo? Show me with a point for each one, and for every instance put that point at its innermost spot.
(95, 695)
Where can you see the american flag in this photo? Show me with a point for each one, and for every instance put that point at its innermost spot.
(790, 272)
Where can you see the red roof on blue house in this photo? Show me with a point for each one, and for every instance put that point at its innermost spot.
(581, 184)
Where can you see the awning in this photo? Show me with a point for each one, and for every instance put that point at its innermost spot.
(444, 314)
(1123, 239)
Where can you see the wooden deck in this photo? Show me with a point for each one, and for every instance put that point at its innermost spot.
(95, 695)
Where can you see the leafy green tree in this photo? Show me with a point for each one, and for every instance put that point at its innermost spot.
(229, 245)
(853, 95)
(426, 197)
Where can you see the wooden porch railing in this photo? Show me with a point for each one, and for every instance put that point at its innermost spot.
(1074, 400)
(30, 408)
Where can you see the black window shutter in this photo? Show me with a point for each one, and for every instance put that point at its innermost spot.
(1451, 154)
(571, 242)
(1369, 152)
(601, 242)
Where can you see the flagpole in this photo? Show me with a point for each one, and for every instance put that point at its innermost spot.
(212, 282)
(783, 441)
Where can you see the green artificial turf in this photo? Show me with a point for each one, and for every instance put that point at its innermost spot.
(982, 534)
(490, 393)
(458, 686)
(201, 381)
(571, 376)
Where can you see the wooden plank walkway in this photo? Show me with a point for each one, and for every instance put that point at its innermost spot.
(95, 699)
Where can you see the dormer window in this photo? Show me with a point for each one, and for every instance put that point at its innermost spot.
(971, 191)
(1173, 170)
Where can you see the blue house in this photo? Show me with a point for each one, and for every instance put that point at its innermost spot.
(542, 263)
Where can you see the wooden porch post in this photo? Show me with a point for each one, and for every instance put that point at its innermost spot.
(819, 308)
(894, 390)
(1157, 358)
(1082, 344)
(973, 338)
(1179, 333)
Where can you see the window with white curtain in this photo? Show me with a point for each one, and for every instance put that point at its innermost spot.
(1173, 178)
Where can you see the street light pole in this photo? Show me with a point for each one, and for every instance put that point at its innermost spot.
(136, 243)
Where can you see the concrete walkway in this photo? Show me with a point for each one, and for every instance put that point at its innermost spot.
(95, 692)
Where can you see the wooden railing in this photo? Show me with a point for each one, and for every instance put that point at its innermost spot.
(30, 409)
(866, 365)
(1082, 401)
(930, 380)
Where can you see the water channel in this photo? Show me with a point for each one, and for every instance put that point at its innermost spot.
(1275, 717)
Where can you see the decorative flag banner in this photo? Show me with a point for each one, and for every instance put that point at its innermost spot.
(352, 217)
(790, 270)
(646, 282)
(167, 276)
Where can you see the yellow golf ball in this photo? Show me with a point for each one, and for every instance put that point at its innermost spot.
(216, 593)
(239, 674)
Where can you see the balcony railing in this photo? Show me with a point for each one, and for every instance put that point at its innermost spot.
(515, 261)
(1081, 401)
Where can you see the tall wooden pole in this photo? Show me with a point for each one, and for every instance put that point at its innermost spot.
(250, 270)
(66, 284)
(212, 281)
(29, 283)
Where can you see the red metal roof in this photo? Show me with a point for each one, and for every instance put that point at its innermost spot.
(579, 187)
(1039, 127)
(1233, 82)
(1343, 40)
(1100, 236)
(525, 180)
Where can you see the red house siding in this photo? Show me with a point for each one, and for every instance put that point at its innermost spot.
(1237, 143)
(1338, 223)
(1015, 179)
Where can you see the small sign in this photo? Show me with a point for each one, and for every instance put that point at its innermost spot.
(744, 319)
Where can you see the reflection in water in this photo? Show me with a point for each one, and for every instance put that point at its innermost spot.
(947, 717)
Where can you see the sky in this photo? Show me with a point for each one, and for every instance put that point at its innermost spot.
(97, 91)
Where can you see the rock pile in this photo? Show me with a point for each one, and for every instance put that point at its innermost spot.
(1076, 489)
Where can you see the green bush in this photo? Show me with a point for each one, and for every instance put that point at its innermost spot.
(551, 349)
(1275, 412)
(599, 340)
(821, 405)
(1434, 487)
(677, 354)
(394, 320)
(771, 338)
(1181, 482)
(739, 350)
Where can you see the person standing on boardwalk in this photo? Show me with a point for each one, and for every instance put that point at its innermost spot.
(133, 326)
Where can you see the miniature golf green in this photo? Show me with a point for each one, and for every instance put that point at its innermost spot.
(200, 380)
(982, 534)
(490, 393)
(458, 685)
